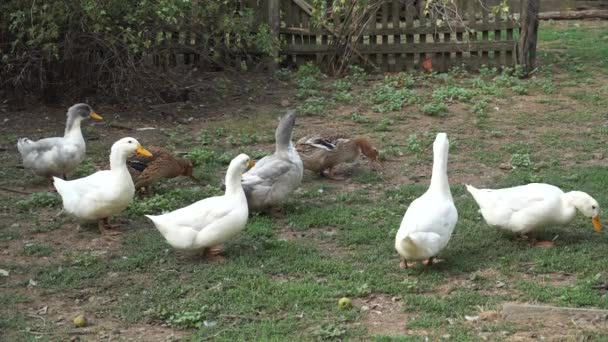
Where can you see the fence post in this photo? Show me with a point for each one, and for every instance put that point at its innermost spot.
(274, 22)
(527, 37)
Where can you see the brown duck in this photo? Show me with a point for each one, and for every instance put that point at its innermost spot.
(162, 164)
(323, 153)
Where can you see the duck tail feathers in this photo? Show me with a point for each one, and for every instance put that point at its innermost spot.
(59, 184)
(159, 223)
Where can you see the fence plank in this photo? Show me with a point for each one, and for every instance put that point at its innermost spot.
(396, 23)
(420, 48)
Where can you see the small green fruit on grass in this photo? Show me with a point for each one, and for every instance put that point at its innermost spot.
(80, 321)
(345, 303)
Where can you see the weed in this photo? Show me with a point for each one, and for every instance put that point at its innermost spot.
(342, 85)
(359, 118)
(388, 98)
(330, 331)
(35, 249)
(84, 169)
(201, 156)
(453, 93)
(220, 132)
(308, 70)
(39, 200)
(171, 200)
(435, 109)
(413, 145)
(384, 125)
(313, 106)
(520, 89)
(546, 85)
(521, 160)
(480, 108)
(283, 74)
(186, 319)
(205, 138)
(356, 73)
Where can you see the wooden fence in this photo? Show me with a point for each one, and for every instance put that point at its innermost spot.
(399, 36)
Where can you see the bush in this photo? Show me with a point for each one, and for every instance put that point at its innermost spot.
(116, 45)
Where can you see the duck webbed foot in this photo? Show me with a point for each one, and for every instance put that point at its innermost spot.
(105, 228)
(405, 264)
(214, 253)
(432, 261)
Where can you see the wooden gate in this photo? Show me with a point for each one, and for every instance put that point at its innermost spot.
(400, 35)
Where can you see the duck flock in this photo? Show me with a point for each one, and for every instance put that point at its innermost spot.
(205, 225)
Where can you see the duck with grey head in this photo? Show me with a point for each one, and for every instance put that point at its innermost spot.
(58, 156)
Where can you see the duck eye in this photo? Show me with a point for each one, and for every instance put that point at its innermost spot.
(592, 207)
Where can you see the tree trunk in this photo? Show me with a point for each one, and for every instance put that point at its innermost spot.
(528, 35)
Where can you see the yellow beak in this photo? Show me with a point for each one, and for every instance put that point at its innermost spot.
(596, 223)
(95, 116)
(251, 164)
(143, 151)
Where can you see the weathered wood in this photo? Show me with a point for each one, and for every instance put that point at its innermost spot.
(528, 36)
(274, 23)
(421, 48)
(502, 25)
(396, 23)
(574, 15)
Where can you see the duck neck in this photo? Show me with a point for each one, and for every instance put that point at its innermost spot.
(569, 205)
(439, 177)
(283, 135)
(233, 183)
(118, 160)
(72, 126)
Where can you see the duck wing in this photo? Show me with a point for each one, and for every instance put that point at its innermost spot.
(266, 173)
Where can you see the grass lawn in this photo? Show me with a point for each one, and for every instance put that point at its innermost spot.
(282, 278)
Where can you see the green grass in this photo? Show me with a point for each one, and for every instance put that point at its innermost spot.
(282, 277)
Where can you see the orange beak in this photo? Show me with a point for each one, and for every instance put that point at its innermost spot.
(251, 164)
(143, 151)
(596, 223)
(95, 116)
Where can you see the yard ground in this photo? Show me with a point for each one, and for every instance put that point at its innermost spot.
(283, 276)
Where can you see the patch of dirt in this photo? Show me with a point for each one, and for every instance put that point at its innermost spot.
(383, 315)
(555, 278)
(323, 239)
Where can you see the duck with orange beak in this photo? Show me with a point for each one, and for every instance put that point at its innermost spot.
(58, 156)
(104, 193)
(527, 208)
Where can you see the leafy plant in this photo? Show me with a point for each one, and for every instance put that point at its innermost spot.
(38, 200)
(521, 160)
(359, 118)
(186, 319)
(453, 93)
(413, 144)
(435, 109)
(201, 156)
(313, 106)
(383, 126)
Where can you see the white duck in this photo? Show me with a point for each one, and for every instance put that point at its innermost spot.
(104, 193)
(208, 223)
(274, 177)
(58, 156)
(430, 219)
(526, 208)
